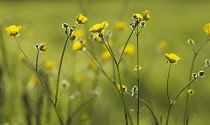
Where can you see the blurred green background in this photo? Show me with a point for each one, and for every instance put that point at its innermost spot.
(172, 21)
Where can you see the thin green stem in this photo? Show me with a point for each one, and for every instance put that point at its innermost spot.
(138, 74)
(69, 120)
(24, 53)
(167, 84)
(59, 116)
(122, 94)
(41, 81)
(37, 58)
(121, 56)
(150, 109)
(60, 65)
(174, 100)
(168, 114)
(183, 90)
(100, 66)
(186, 112)
(108, 47)
(45, 89)
(59, 70)
(148, 106)
(119, 76)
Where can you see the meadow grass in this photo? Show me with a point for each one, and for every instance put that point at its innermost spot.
(173, 22)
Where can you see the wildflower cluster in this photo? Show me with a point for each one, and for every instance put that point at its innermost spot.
(78, 43)
(140, 19)
(41, 47)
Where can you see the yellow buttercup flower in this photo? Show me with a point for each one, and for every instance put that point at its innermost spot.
(106, 54)
(172, 58)
(13, 30)
(129, 50)
(137, 16)
(81, 19)
(80, 79)
(207, 29)
(99, 27)
(77, 45)
(120, 26)
(146, 15)
(92, 65)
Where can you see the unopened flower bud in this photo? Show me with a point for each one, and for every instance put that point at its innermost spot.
(201, 73)
(207, 62)
(143, 23)
(191, 42)
(132, 25)
(194, 75)
(65, 25)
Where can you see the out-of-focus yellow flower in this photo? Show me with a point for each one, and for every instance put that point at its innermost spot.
(81, 19)
(99, 27)
(190, 91)
(77, 45)
(92, 65)
(80, 79)
(49, 64)
(79, 33)
(33, 81)
(137, 17)
(146, 15)
(85, 117)
(172, 58)
(163, 45)
(207, 29)
(22, 58)
(129, 50)
(13, 30)
(106, 55)
(120, 26)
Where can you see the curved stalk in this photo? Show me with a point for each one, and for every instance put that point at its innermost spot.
(119, 76)
(121, 56)
(40, 79)
(60, 65)
(173, 101)
(186, 112)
